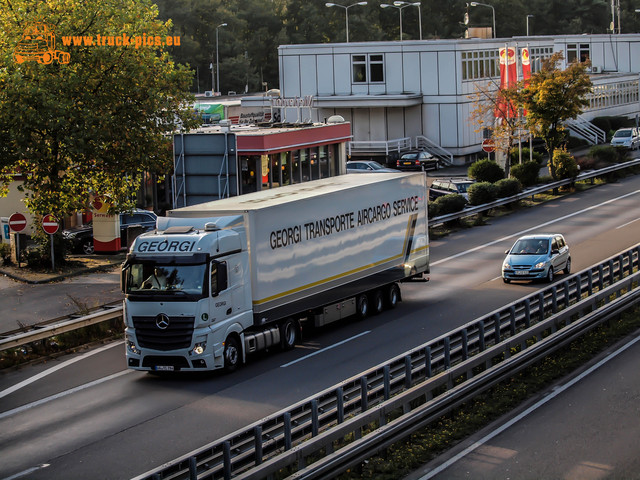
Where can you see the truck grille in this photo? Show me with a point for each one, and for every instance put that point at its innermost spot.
(176, 335)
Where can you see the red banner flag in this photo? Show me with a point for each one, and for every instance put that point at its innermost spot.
(526, 70)
(508, 78)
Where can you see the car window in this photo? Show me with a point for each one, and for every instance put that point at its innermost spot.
(462, 187)
(409, 156)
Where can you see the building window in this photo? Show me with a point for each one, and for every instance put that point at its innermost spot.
(478, 64)
(579, 52)
(368, 68)
(537, 55)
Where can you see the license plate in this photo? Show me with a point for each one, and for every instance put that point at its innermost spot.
(164, 368)
(522, 272)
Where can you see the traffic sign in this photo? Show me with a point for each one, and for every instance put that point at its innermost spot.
(488, 145)
(50, 224)
(17, 222)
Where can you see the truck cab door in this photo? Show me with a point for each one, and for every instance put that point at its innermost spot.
(221, 305)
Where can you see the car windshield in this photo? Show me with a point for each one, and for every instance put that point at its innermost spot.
(530, 247)
(462, 187)
(622, 133)
(152, 278)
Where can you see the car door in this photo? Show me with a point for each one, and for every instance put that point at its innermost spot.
(559, 260)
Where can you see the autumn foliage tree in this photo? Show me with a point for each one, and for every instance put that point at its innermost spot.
(94, 125)
(553, 96)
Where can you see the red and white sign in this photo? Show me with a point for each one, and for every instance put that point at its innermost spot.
(488, 145)
(17, 222)
(50, 224)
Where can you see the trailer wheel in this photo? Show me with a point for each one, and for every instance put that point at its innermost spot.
(289, 334)
(232, 354)
(393, 295)
(378, 302)
(362, 306)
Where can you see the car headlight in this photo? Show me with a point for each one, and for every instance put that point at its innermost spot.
(506, 265)
(541, 264)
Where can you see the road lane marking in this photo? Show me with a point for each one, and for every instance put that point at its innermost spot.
(554, 393)
(27, 472)
(51, 398)
(40, 375)
(628, 223)
(325, 349)
(522, 232)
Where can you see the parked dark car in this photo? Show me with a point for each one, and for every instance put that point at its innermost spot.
(80, 239)
(447, 186)
(418, 160)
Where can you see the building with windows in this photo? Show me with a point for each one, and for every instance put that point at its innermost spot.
(401, 95)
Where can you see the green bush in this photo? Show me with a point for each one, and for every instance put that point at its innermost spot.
(604, 153)
(508, 187)
(486, 171)
(515, 157)
(482, 192)
(447, 204)
(565, 165)
(526, 173)
(5, 253)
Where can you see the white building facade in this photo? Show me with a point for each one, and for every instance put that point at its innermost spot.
(400, 95)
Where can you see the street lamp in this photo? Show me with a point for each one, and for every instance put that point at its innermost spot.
(528, 17)
(217, 61)
(478, 4)
(399, 6)
(398, 3)
(346, 13)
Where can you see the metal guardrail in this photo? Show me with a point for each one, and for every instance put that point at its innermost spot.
(325, 434)
(379, 146)
(529, 192)
(40, 333)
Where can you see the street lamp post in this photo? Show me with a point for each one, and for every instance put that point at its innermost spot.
(398, 3)
(346, 13)
(217, 60)
(493, 10)
(528, 17)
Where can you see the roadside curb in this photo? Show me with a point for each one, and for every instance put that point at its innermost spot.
(50, 278)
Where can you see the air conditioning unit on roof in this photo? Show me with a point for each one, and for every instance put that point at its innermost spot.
(596, 69)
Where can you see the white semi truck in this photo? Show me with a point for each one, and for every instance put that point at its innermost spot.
(218, 281)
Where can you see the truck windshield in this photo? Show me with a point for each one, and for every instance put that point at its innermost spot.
(151, 277)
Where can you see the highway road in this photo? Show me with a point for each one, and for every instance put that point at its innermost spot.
(86, 416)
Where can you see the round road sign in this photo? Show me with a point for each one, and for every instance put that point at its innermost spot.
(488, 145)
(17, 222)
(50, 224)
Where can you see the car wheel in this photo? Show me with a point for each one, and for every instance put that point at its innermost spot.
(362, 306)
(378, 302)
(232, 357)
(393, 295)
(550, 274)
(87, 247)
(567, 267)
(288, 334)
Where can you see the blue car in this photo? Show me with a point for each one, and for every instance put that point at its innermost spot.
(537, 257)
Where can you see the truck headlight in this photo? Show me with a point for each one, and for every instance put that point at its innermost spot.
(131, 346)
(198, 349)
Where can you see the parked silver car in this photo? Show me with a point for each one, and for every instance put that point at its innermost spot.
(367, 166)
(626, 137)
(537, 257)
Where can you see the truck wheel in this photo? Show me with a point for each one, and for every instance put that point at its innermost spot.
(362, 306)
(393, 295)
(377, 300)
(232, 354)
(289, 334)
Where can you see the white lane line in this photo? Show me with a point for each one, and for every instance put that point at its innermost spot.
(534, 407)
(40, 375)
(325, 349)
(628, 223)
(522, 232)
(51, 398)
(27, 472)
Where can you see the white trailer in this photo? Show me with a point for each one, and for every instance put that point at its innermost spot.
(220, 280)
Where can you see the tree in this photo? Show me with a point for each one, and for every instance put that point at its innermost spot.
(553, 96)
(94, 125)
